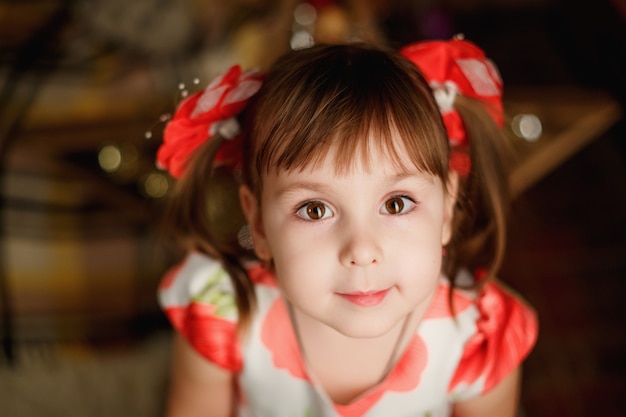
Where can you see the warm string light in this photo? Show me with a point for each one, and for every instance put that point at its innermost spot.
(182, 87)
(162, 119)
(183, 93)
(122, 161)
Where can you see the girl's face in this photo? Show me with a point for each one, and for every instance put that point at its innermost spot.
(357, 251)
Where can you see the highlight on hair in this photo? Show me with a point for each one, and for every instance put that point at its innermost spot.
(336, 97)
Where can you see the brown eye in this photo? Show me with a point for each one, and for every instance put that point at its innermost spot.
(399, 204)
(315, 211)
(394, 205)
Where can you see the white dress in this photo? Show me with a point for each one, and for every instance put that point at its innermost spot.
(450, 358)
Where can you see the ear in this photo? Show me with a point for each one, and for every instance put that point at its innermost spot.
(252, 211)
(449, 202)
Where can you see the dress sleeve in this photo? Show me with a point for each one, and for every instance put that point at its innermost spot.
(506, 331)
(198, 298)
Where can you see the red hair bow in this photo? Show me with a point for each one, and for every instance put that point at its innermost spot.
(458, 67)
(204, 114)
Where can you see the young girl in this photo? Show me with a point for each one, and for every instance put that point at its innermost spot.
(343, 246)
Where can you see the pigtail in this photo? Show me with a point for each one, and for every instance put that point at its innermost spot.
(480, 219)
(203, 214)
(202, 150)
(468, 89)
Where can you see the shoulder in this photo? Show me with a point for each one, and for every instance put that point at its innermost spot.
(199, 299)
(199, 279)
(504, 329)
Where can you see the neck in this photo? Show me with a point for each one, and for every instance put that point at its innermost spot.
(344, 366)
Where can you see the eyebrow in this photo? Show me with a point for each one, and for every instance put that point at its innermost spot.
(320, 188)
(419, 175)
(301, 185)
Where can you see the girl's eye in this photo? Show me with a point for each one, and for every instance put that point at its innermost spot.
(398, 205)
(314, 211)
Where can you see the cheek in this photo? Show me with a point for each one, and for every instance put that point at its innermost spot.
(290, 246)
(292, 239)
(418, 276)
(302, 275)
(423, 258)
(420, 234)
(418, 250)
(299, 255)
(303, 264)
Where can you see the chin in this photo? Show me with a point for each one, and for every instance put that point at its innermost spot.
(361, 328)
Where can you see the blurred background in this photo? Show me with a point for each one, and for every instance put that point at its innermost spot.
(85, 86)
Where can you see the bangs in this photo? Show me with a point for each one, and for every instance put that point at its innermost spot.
(346, 100)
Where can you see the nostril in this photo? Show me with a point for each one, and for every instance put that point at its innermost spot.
(374, 261)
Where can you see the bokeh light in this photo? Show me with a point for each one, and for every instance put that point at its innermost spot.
(527, 127)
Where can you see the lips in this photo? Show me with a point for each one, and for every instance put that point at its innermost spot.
(365, 299)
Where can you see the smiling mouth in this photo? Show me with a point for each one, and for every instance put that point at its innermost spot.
(365, 299)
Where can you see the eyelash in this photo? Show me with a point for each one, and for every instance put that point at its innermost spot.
(308, 205)
(403, 210)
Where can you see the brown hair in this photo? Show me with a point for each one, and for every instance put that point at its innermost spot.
(480, 216)
(332, 97)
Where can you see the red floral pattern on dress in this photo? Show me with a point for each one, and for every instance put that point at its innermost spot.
(213, 337)
(170, 277)
(500, 327)
(506, 331)
(404, 377)
(278, 337)
(261, 276)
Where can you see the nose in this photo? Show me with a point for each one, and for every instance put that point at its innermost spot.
(361, 248)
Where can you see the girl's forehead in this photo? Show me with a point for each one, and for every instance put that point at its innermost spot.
(369, 154)
(375, 166)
